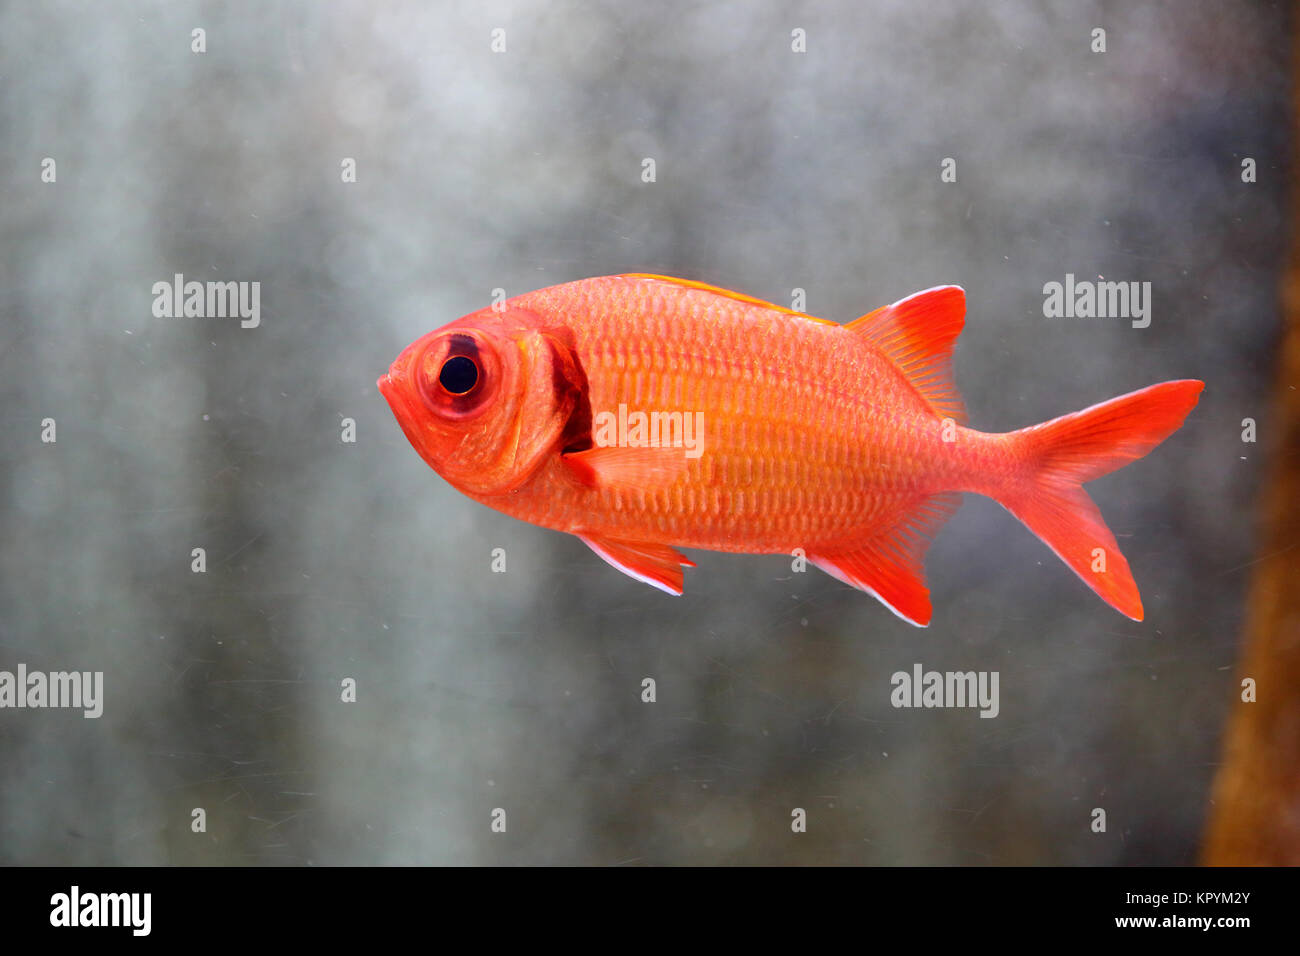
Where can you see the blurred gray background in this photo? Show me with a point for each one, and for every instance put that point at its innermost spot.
(521, 169)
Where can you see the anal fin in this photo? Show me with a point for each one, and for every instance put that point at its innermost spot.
(891, 565)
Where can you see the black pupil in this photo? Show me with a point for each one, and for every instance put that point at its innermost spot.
(459, 374)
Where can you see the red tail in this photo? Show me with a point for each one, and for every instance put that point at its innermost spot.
(1070, 450)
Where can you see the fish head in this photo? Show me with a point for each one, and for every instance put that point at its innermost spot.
(485, 399)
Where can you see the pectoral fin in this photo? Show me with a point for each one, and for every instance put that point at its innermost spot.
(629, 469)
(656, 564)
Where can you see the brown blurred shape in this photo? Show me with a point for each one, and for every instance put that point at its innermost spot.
(1254, 815)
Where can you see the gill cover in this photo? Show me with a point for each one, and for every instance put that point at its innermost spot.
(497, 401)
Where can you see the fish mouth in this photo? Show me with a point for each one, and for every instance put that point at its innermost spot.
(389, 388)
(404, 406)
(392, 394)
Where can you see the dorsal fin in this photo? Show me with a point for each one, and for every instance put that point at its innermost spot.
(917, 334)
(717, 290)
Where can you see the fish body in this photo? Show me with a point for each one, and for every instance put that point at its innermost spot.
(645, 413)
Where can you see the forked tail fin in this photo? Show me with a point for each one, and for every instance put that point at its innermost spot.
(1066, 452)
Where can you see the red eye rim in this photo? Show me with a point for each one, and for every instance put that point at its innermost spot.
(455, 350)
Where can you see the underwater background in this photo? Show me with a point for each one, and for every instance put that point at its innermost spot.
(794, 146)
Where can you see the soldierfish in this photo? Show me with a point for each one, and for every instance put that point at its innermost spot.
(845, 441)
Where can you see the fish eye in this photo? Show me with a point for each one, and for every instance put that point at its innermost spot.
(459, 374)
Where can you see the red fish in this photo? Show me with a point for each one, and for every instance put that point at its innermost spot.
(643, 413)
